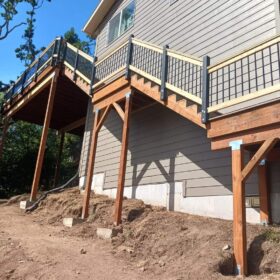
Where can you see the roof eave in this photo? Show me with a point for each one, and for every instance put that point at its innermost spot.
(97, 17)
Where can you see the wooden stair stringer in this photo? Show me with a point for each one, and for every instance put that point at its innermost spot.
(189, 113)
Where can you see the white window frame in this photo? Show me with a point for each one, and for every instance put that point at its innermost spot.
(120, 23)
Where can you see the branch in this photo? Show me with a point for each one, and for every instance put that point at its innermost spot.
(8, 31)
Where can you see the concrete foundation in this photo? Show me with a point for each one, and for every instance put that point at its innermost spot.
(70, 222)
(25, 204)
(172, 197)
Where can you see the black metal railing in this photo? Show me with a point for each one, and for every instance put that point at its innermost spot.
(31, 73)
(250, 72)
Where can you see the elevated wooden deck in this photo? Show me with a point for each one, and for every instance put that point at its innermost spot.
(233, 100)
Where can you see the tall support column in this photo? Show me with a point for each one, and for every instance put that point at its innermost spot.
(4, 135)
(239, 211)
(58, 161)
(264, 193)
(91, 160)
(44, 136)
(123, 159)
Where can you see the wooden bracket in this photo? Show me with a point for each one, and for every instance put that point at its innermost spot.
(119, 110)
(256, 159)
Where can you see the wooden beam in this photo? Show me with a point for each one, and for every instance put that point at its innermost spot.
(111, 98)
(264, 193)
(103, 117)
(123, 159)
(73, 125)
(259, 155)
(58, 161)
(44, 136)
(4, 135)
(255, 136)
(119, 110)
(255, 117)
(239, 213)
(91, 161)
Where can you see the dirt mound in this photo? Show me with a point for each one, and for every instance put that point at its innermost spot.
(178, 246)
(18, 198)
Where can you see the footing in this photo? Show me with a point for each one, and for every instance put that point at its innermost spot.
(70, 222)
(107, 233)
(264, 223)
(25, 204)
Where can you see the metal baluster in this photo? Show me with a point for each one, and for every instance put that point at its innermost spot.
(249, 78)
(205, 90)
(164, 73)
(256, 72)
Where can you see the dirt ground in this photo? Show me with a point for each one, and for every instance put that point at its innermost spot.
(152, 243)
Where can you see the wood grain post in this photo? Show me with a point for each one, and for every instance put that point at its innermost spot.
(41, 153)
(123, 159)
(58, 160)
(239, 211)
(91, 160)
(4, 135)
(264, 193)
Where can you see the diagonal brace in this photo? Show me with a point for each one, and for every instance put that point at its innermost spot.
(119, 110)
(266, 147)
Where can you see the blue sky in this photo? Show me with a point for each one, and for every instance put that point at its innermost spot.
(53, 19)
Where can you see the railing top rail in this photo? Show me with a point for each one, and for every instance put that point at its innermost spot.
(170, 52)
(258, 47)
(81, 53)
(110, 54)
(33, 63)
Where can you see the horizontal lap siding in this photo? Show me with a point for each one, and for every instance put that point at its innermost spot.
(216, 28)
(164, 147)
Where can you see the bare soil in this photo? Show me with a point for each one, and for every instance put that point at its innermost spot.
(152, 243)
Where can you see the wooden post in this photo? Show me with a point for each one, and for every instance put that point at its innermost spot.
(91, 160)
(239, 211)
(264, 193)
(123, 159)
(44, 136)
(4, 135)
(58, 161)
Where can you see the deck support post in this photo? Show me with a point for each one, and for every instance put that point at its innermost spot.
(239, 211)
(264, 193)
(4, 135)
(58, 161)
(123, 159)
(44, 136)
(91, 161)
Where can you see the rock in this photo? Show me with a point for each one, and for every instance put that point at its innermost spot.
(83, 251)
(161, 263)
(107, 233)
(226, 247)
(183, 228)
(126, 249)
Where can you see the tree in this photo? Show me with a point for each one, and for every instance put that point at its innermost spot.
(8, 11)
(27, 51)
(73, 38)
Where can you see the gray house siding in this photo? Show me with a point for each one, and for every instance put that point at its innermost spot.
(218, 28)
(164, 147)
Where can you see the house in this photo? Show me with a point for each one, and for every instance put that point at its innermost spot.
(182, 114)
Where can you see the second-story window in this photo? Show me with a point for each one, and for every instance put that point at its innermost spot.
(121, 22)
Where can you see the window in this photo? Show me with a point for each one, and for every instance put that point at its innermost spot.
(120, 23)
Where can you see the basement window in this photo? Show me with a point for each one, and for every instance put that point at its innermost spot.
(120, 23)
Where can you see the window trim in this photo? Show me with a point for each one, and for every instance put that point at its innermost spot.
(119, 29)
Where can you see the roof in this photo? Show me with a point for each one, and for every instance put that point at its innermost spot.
(97, 17)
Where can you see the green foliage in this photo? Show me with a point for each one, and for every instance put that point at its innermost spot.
(19, 158)
(73, 38)
(272, 236)
(27, 51)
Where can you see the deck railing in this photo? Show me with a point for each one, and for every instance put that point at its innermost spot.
(250, 74)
